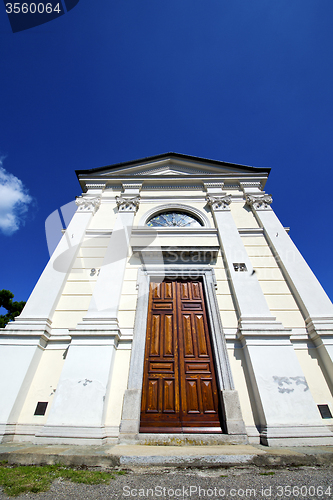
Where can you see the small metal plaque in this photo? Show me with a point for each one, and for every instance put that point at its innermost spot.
(41, 408)
(325, 411)
(240, 266)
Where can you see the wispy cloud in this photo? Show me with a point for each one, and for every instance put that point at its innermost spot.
(14, 202)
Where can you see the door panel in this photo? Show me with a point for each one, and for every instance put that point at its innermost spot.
(179, 387)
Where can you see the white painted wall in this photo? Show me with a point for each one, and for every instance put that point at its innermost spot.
(82, 388)
(43, 386)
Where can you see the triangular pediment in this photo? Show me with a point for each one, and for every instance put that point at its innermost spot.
(171, 165)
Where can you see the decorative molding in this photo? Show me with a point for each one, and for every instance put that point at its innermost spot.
(98, 233)
(172, 168)
(95, 185)
(136, 185)
(259, 202)
(227, 187)
(250, 184)
(214, 185)
(196, 256)
(251, 231)
(148, 231)
(115, 187)
(127, 204)
(88, 204)
(163, 187)
(219, 203)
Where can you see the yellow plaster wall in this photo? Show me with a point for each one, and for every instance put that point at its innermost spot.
(118, 387)
(129, 294)
(75, 298)
(243, 217)
(237, 362)
(105, 216)
(312, 370)
(224, 296)
(276, 291)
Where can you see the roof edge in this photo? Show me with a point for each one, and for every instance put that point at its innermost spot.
(175, 155)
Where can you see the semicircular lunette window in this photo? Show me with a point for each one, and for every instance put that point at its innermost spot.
(173, 219)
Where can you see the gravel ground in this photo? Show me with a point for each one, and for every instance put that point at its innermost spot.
(308, 483)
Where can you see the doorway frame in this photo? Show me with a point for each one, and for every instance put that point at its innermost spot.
(130, 421)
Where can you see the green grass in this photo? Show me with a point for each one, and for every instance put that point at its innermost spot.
(16, 480)
(266, 473)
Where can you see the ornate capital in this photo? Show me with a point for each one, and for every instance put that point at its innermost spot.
(259, 202)
(219, 203)
(128, 204)
(88, 204)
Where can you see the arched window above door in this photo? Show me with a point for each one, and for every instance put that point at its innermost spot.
(173, 218)
(175, 215)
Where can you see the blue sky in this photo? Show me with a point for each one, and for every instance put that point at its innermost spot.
(111, 81)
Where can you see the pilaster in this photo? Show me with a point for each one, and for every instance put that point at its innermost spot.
(104, 305)
(251, 304)
(271, 362)
(78, 411)
(19, 358)
(38, 311)
(77, 415)
(23, 340)
(314, 304)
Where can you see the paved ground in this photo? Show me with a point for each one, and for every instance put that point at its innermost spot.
(181, 456)
(237, 482)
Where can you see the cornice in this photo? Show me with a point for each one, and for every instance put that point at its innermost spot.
(175, 231)
(214, 185)
(173, 157)
(251, 231)
(98, 233)
(165, 231)
(250, 184)
(239, 181)
(172, 186)
(132, 185)
(97, 185)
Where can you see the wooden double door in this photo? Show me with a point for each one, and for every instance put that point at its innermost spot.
(179, 384)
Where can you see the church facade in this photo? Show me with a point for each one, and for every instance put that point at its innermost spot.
(175, 309)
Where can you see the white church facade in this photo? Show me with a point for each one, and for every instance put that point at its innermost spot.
(175, 309)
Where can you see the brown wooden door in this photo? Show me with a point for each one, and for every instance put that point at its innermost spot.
(179, 385)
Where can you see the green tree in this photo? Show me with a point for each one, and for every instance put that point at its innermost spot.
(13, 308)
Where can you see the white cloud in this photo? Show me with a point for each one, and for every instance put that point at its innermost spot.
(14, 201)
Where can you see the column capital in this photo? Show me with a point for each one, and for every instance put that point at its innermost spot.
(261, 202)
(88, 204)
(219, 203)
(127, 204)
